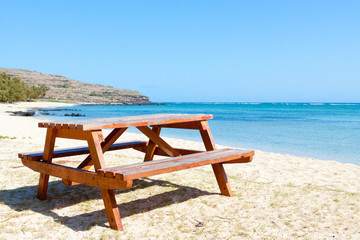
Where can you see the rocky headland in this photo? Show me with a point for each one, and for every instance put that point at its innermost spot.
(64, 89)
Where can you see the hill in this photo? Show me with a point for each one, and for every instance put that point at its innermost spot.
(65, 89)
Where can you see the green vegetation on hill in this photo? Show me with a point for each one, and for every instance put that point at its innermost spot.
(13, 89)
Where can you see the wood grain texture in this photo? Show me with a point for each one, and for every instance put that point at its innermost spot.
(128, 121)
(107, 194)
(159, 141)
(75, 174)
(71, 134)
(48, 155)
(218, 168)
(146, 169)
(151, 146)
(112, 210)
(95, 148)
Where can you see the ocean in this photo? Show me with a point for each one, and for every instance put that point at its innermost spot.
(327, 131)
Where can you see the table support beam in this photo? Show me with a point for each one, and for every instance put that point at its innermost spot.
(159, 141)
(151, 147)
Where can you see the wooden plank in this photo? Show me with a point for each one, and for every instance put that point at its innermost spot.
(159, 141)
(75, 174)
(121, 122)
(169, 167)
(146, 169)
(48, 155)
(193, 160)
(66, 152)
(162, 160)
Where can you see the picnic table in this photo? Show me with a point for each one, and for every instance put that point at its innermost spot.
(121, 177)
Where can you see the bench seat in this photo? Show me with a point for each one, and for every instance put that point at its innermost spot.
(146, 169)
(66, 152)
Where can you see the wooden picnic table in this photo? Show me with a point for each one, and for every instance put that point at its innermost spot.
(120, 177)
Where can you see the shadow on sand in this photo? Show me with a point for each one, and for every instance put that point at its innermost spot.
(60, 196)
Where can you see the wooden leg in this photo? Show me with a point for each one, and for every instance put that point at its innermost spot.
(222, 180)
(48, 154)
(97, 156)
(206, 136)
(96, 152)
(218, 168)
(111, 208)
(150, 149)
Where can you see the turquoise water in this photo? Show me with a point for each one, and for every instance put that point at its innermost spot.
(326, 131)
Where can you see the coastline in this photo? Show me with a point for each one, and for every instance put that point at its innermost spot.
(277, 195)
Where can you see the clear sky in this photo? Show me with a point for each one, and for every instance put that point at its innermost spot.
(192, 51)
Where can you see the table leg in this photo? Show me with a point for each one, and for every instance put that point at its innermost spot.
(48, 154)
(218, 168)
(108, 196)
(111, 208)
(150, 149)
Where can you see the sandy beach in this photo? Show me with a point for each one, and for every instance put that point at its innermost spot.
(276, 196)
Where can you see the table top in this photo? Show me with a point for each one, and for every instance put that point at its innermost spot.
(127, 121)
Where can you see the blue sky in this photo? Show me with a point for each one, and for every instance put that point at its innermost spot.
(188, 51)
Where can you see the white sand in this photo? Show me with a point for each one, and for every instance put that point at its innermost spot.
(276, 196)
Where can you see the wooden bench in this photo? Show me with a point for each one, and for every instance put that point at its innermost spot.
(155, 167)
(126, 173)
(66, 152)
(121, 177)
